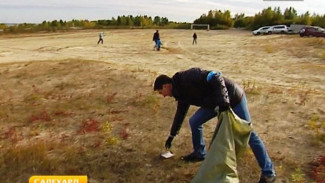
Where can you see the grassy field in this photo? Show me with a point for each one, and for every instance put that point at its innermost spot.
(67, 113)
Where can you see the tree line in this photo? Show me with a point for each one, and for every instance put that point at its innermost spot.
(217, 19)
(223, 20)
(114, 23)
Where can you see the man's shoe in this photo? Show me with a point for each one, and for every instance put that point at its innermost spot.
(265, 179)
(192, 158)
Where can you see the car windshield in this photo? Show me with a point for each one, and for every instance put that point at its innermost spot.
(318, 29)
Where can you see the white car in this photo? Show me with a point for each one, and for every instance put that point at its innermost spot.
(278, 29)
(261, 30)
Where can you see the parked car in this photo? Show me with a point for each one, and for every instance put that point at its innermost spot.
(312, 31)
(277, 29)
(261, 30)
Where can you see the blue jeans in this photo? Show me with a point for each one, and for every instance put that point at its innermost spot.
(202, 115)
(158, 43)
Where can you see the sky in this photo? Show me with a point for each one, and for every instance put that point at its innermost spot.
(36, 11)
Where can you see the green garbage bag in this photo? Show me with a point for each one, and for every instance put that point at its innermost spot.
(230, 139)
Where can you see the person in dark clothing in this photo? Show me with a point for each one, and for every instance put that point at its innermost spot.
(213, 93)
(156, 39)
(194, 38)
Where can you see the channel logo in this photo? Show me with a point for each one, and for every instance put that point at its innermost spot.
(58, 179)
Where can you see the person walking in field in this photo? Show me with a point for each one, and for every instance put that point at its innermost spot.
(194, 38)
(213, 93)
(156, 39)
(101, 38)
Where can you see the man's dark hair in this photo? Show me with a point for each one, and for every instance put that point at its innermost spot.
(160, 81)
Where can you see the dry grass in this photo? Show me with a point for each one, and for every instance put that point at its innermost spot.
(76, 117)
(89, 124)
(251, 88)
(301, 48)
(322, 55)
(103, 120)
(318, 128)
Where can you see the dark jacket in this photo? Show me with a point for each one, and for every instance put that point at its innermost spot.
(155, 36)
(191, 87)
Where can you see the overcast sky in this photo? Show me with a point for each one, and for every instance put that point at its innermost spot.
(36, 11)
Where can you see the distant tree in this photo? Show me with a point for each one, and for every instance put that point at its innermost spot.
(113, 22)
(164, 21)
(54, 23)
(226, 17)
(145, 21)
(318, 20)
(130, 21)
(137, 21)
(3, 26)
(88, 24)
(241, 21)
(249, 22)
(156, 20)
(201, 20)
(216, 19)
(118, 20)
(212, 17)
(102, 22)
(304, 19)
(121, 20)
(62, 23)
(290, 16)
(290, 13)
(266, 17)
(44, 26)
(278, 18)
(13, 29)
